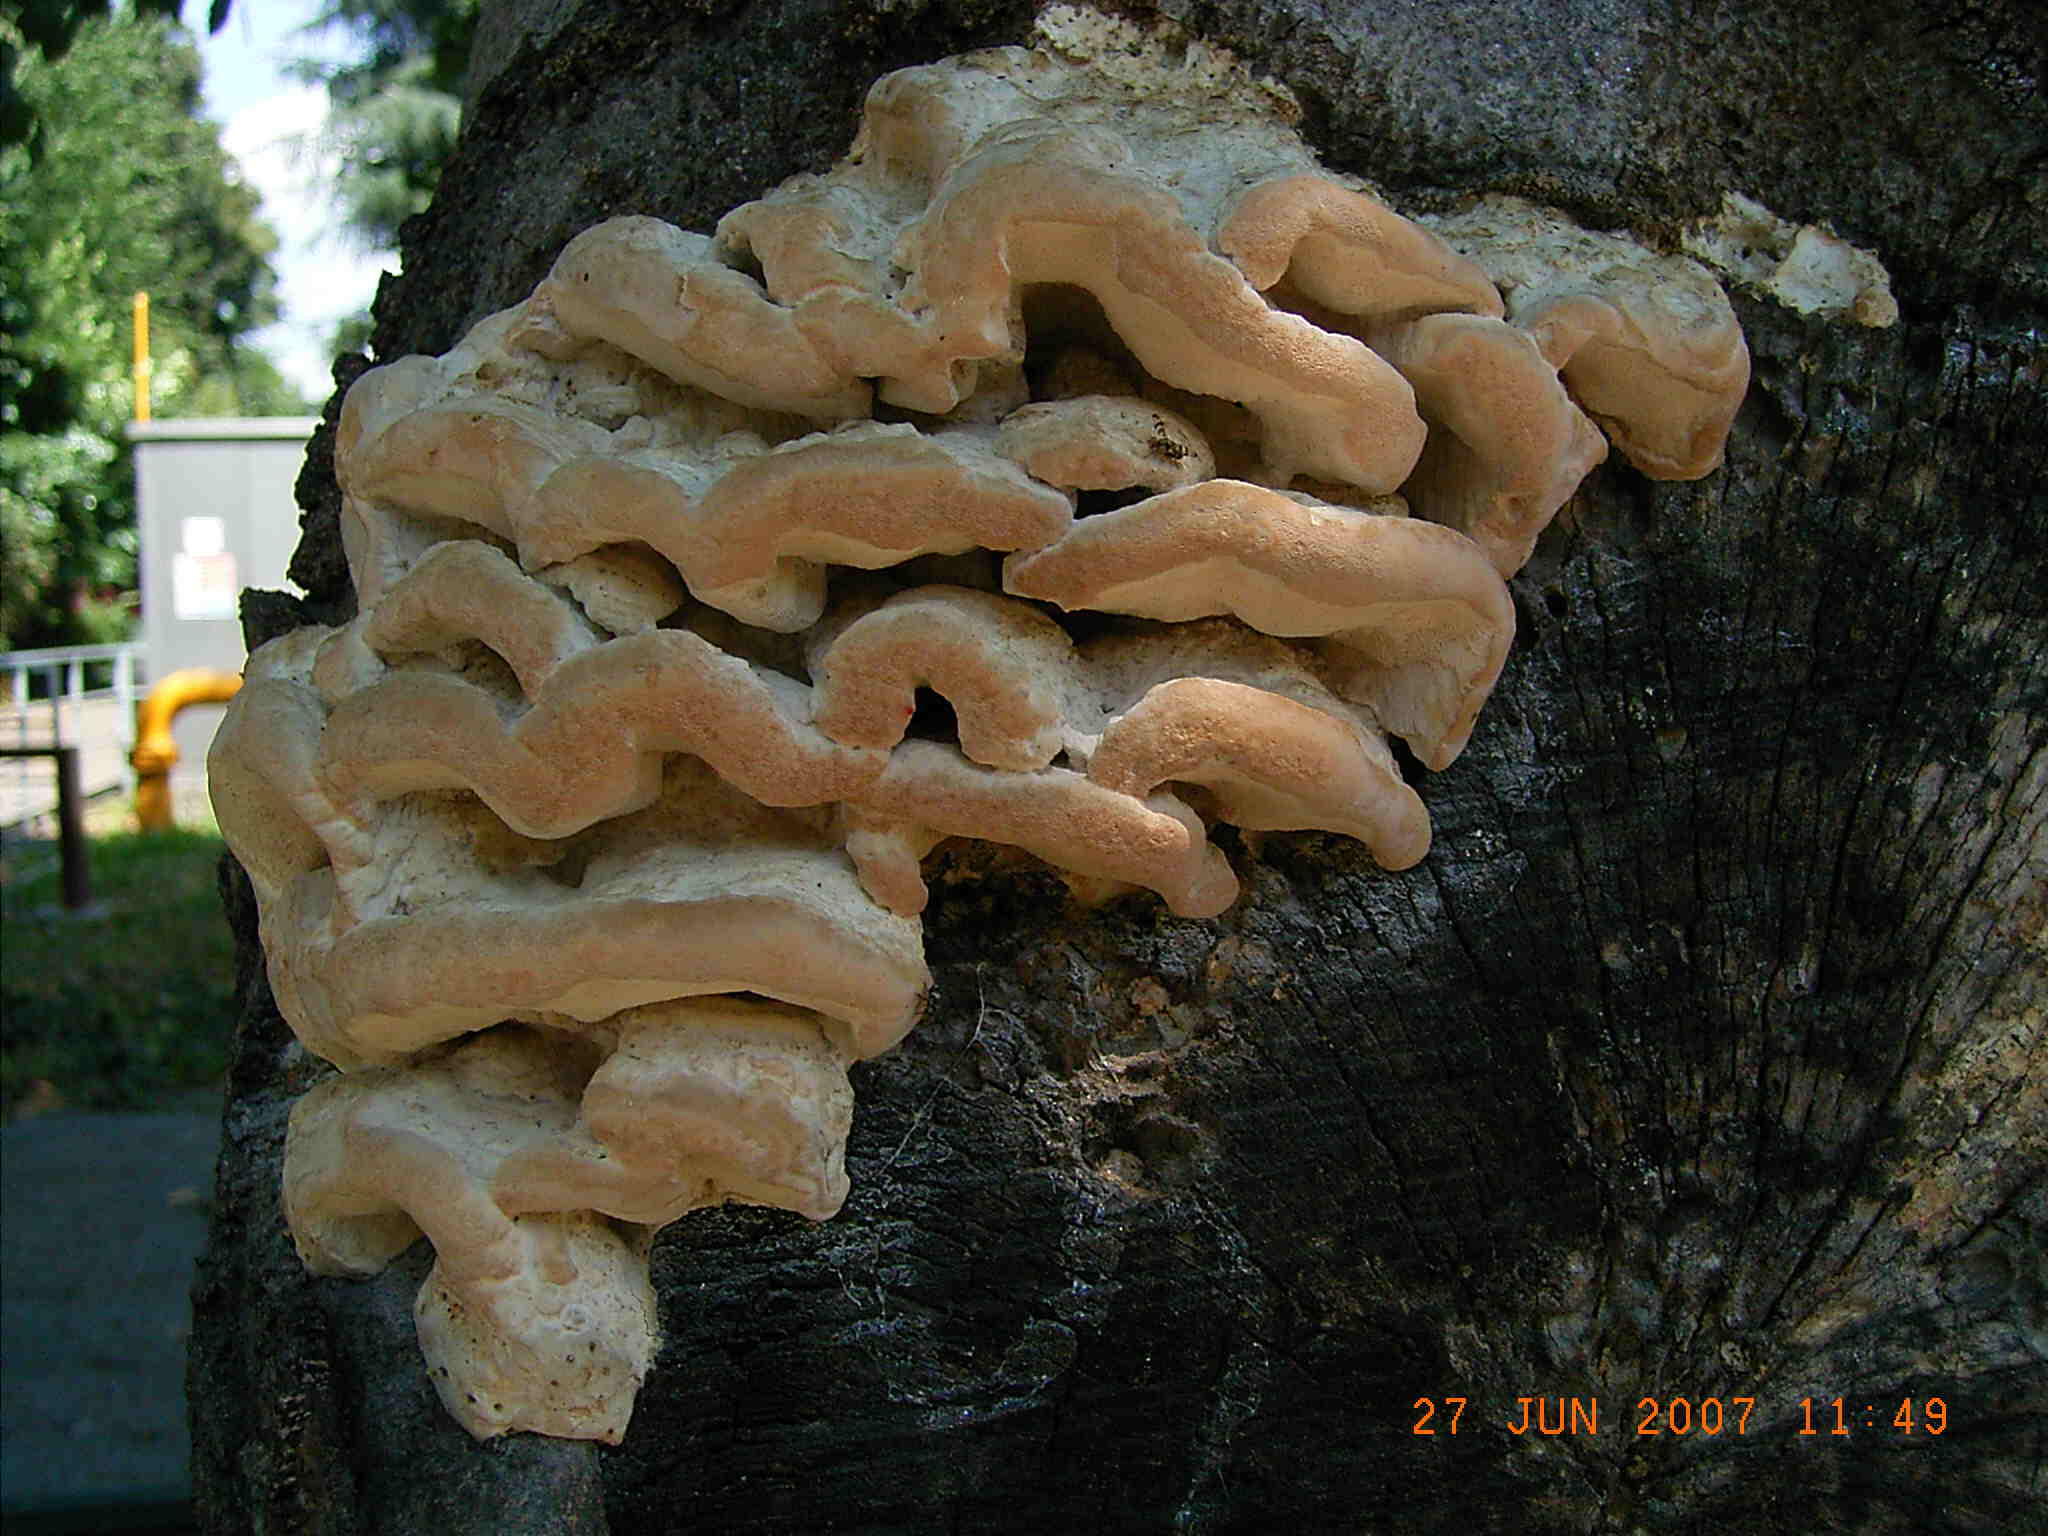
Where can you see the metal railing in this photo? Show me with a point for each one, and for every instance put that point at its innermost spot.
(64, 673)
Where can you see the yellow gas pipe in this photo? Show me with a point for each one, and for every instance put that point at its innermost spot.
(141, 356)
(156, 750)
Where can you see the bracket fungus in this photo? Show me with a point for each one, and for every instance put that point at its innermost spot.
(590, 850)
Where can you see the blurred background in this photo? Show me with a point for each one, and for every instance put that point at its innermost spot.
(197, 202)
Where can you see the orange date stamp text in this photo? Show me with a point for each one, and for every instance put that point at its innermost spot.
(1680, 1417)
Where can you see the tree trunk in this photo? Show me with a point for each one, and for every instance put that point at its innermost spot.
(1700, 1068)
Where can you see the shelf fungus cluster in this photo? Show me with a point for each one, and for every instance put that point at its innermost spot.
(1076, 466)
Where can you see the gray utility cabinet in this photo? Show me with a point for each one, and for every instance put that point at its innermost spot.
(214, 497)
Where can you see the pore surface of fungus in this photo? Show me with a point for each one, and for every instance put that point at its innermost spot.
(1075, 466)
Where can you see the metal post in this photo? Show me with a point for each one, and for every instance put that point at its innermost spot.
(71, 831)
(20, 719)
(141, 365)
(124, 701)
(77, 867)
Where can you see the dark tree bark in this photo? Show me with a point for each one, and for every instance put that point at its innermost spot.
(1704, 1057)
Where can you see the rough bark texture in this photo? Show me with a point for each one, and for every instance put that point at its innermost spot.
(1705, 1055)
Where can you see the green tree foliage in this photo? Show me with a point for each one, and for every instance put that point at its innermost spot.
(396, 106)
(123, 187)
(48, 26)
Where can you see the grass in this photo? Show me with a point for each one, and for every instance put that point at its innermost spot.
(129, 1003)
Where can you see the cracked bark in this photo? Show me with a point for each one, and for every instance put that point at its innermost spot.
(1704, 1057)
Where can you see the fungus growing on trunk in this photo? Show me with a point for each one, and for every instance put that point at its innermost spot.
(704, 593)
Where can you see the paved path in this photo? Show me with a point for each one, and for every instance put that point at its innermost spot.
(98, 727)
(101, 1221)
(28, 786)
